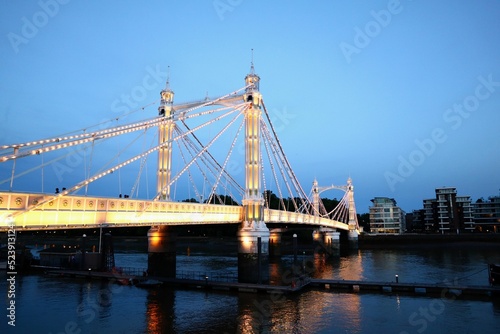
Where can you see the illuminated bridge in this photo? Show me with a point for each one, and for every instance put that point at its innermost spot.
(195, 145)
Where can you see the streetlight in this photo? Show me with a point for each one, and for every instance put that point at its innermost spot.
(83, 251)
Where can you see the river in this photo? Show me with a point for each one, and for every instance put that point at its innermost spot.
(63, 305)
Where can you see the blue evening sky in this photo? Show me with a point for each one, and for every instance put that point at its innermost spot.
(402, 96)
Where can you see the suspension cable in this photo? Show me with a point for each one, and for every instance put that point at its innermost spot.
(68, 141)
(87, 181)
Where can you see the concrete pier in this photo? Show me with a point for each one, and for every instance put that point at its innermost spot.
(275, 242)
(352, 236)
(327, 240)
(161, 251)
(253, 256)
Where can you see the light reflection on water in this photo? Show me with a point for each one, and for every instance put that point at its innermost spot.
(55, 305)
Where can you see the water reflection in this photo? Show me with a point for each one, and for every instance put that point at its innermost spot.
(197, 311)
(52, 303)
(160, 310)
(270, 313)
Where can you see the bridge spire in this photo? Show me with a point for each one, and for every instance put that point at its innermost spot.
(165, 140)
(252, 69)
(315, 199)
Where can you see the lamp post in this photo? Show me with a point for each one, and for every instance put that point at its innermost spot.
(83, 250)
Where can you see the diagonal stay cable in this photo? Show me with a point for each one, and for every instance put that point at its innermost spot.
(60, 142)
(88, 181)
(273, 169)
(204, 149)
(223, 167)
(279, 159)
(239, 108)
(302, 193)
(183, 141)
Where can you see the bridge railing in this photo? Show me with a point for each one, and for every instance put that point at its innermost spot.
(217, 276)
(130, 271)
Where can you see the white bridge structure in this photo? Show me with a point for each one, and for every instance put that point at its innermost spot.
(239, 119)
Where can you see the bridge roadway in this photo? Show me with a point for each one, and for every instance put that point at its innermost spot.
(71, 212)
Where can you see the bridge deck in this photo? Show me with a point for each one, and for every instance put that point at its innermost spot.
(68, 212)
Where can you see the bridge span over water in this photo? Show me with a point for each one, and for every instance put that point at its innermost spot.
(70, 212)
(238, 119)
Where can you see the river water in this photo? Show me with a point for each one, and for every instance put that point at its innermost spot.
(64, 305)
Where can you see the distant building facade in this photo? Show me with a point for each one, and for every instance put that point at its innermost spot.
(487, 214)
(386, 216)
(415, 221)
(448, 212)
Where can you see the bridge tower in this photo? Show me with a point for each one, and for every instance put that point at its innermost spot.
(253, 236)
(315, 199)
(165, 140)
(161, 239)
(353, 219)
(326, 238)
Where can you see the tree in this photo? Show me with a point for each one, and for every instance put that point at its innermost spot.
(364, 221)
(190, 200)
(222, 199)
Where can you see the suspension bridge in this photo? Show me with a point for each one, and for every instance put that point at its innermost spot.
(200, 139)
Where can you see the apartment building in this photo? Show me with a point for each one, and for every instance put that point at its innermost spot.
(487, 214)
(448, 212)
(386, 216)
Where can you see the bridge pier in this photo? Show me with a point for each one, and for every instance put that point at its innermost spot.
(161, 251)
(352, 236)
(275, 242)
(328, 240)
(107, 253)
(253, 256)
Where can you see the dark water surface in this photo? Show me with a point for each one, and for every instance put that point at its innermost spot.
(64, 305)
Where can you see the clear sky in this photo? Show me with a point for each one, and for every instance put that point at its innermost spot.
(402, 96)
